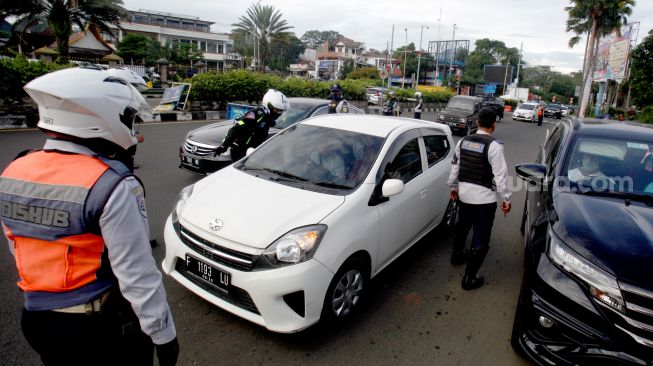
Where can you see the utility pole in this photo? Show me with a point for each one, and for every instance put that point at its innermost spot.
(392, 40)
(437, 48)
(453, 55)
(519, 65)
(403, 78)
(505, 76)
(419, 57)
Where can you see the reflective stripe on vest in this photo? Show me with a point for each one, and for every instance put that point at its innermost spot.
(50, 211)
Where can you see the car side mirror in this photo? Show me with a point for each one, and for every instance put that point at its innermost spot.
(392, 187)
(530, 172)
(249, 151)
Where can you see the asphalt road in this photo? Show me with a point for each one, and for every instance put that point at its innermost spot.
(417, 313)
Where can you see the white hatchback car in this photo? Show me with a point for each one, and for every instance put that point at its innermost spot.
(526, 112)
(293, 232)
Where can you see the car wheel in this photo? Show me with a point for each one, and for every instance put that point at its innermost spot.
(346, 293)
(450, 216)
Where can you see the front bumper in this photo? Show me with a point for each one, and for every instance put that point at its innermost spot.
(202, 164)
(257, 296)
(522, 117)
(583, 331)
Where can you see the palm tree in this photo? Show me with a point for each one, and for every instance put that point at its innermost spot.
(62, 14)
(597, 18)
(262, 26)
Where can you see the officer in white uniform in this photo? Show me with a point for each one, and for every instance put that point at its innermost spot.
(478, 166)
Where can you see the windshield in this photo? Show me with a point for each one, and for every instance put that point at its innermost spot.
(316, 157)
(553, 106)
(459, 103)
(297, 112)
(611, 165)
(527, 106)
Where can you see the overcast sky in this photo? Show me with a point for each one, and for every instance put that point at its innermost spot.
(539, 24)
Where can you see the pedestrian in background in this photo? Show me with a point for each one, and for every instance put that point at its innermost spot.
(478, 163)
(540, 114)
(418, 105)
(75, 219)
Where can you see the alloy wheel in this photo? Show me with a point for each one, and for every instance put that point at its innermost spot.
(347, 293)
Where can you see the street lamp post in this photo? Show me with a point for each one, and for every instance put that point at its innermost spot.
(453, 55)
(419, 57)
(403, 79)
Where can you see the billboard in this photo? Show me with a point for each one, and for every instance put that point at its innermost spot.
(497, 74)
(612, 56)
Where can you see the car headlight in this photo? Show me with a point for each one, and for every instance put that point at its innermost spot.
(294, 247)
(603, 286)
(179, 205)
(463, 119)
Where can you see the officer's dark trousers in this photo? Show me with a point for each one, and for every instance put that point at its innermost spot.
(480, 218)
(80, 339)
(418, 115)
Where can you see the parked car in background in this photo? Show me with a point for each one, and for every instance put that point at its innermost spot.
(197, 154)
(375, 94)
(553, 110)
(526, 112)
(460, 114)
(495, 104)
(331, 202)
(565, 110)
(587, 294)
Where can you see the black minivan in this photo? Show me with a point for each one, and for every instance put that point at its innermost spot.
(587, 291)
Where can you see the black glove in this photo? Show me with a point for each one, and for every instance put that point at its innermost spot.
(221, 149)
(167, 353)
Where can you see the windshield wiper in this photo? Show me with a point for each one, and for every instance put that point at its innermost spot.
(285, 175)
(645, 198)
(332, 185)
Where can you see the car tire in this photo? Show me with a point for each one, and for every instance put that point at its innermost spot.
(346, 292)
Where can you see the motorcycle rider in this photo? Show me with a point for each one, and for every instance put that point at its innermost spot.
(337, 104)
(391, 107)
(252, 129)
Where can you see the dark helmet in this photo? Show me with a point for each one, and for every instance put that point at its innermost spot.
(335, 88)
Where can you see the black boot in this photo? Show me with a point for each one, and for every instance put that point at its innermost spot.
(475, 260)
(459, 255)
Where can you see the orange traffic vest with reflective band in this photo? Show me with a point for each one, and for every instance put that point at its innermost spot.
(47, 211)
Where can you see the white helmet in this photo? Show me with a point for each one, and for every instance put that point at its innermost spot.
(131, 76)
(418, 94)
(275, 99)
(88, 103)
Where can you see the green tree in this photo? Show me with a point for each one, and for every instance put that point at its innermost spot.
(316, 38)
(185, 53)
(370, 73)
(407, 55)
(597, 18)
(487, 52)
(137, 47)
(346, 69)
(641, 78)
(263, 26)
(62, 14)
(285, 52)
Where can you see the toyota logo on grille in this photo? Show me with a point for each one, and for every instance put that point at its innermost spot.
(215, 225)
(193, 149)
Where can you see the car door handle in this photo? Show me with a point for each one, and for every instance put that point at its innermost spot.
(422, 193)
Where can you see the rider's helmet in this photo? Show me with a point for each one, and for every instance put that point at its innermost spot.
(392, 94)
(130, 76)
(418, 94)
(336, 91)
(83, 103)
(275, 102)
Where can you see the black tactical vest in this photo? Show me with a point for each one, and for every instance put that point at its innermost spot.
(474, 164)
